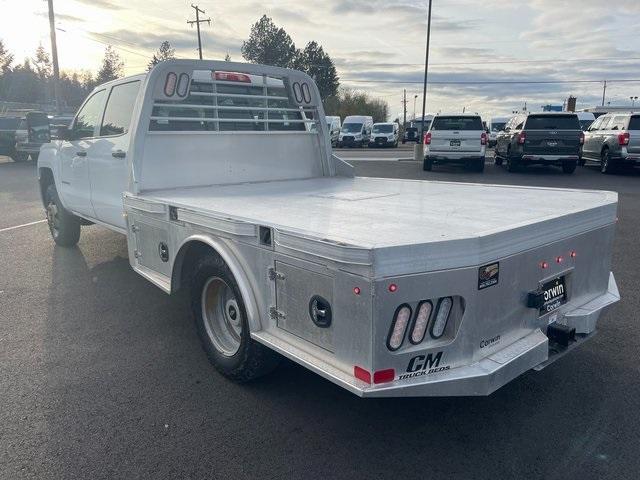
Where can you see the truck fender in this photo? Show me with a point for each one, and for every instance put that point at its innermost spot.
(226, 253)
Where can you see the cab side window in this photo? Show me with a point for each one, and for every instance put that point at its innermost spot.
(617, 123)
(605, 123)
(596, 124)
(84, 126)
(117, 115)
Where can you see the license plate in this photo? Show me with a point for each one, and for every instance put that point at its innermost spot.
(454, 143)
(554, 293)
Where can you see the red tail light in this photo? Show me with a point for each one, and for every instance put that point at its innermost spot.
(427, 138)
(623, 138)
(581, 138)
(384, 376)
(483, 138)
(361, 374)
(232, 77)
(521, 138)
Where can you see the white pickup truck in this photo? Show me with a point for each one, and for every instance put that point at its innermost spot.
(385, 287)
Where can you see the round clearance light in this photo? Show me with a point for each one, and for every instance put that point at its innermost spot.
(356, 290)
(442, 315)
(573, 254)
(183, 85)
(544, 264)
(559, 259)
(399, 327)
(170, 84)
(422, 320)
(393, 288)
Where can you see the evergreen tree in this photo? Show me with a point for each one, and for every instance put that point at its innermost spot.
(6, 59)
(316, 63)
(269, 45)
(42, 63)
(111, 67)
(165, 52)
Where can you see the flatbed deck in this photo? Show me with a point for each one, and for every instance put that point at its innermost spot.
(435, 224)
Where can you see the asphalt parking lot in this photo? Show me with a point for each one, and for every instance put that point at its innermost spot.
(102, 374)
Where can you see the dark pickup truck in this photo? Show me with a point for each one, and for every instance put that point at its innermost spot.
(541, 138)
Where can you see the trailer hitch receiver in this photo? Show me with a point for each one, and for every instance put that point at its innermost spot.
(561, 334)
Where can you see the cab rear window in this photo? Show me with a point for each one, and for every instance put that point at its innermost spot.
(552, 122)
(456, 123)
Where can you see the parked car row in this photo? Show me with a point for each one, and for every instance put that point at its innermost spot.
(535, 138)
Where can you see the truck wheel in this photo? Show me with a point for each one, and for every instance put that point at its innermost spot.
(479, 165)
(497, 159)
(605, 161)
(569, 167)
(221, 320)
(427, 165)
(512, 163)
(63, 225)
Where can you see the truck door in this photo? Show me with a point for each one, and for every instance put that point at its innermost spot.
(74, 156)
(108, 162)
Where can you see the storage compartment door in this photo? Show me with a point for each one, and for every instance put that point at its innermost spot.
(304, 299)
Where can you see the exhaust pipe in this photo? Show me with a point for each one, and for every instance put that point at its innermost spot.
(561, 334)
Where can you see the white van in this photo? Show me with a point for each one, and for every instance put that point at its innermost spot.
(355, 131)
(333, 125)
(384, 135)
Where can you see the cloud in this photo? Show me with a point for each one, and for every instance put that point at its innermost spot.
(107, 4)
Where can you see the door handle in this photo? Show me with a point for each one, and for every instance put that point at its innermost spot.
(81, 153)
(119, 154)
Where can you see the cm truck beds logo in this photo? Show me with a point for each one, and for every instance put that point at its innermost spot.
(424, 365)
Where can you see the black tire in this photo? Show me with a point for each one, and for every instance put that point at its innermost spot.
(63, 225)
(479, 165)
(427, 165)
(606, 166)
(569, 167)
(252, 359)
(512, 163)
(582, 162)
(498, 160)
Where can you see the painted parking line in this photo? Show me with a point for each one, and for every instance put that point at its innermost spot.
(20, 226)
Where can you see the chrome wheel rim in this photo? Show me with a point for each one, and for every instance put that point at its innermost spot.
(222, 316)
(53, 219)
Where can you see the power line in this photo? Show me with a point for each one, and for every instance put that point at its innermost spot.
(489, 82)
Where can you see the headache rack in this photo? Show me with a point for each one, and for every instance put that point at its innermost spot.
(217, 101)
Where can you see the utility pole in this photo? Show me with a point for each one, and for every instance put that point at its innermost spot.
(54, 56)
(426, 72)
(404, 109)
(197, 21)
(418, 152)
(604, 90)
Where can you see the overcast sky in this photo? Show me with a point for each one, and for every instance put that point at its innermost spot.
(376, 44)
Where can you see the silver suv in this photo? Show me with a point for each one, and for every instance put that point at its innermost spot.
(612, 141)
(455, 139)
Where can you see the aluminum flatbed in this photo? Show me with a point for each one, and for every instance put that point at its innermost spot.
(426, 225)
